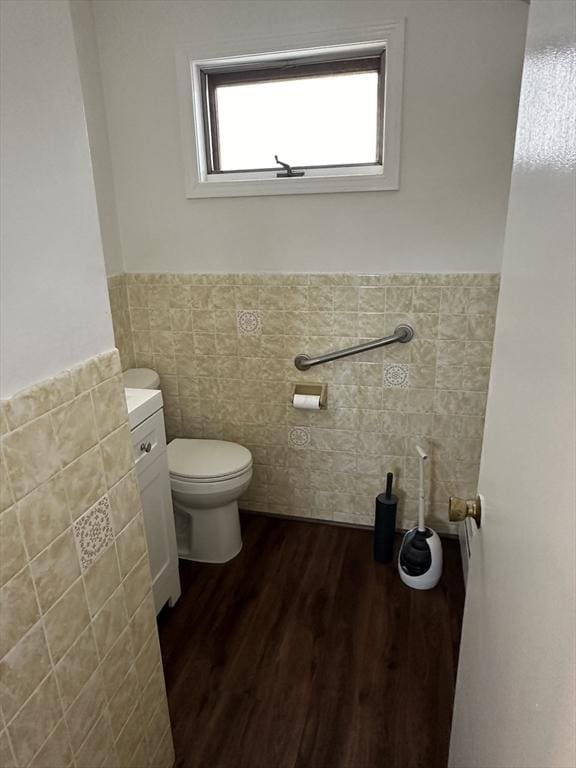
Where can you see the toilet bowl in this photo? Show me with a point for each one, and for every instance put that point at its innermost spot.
(207, 477)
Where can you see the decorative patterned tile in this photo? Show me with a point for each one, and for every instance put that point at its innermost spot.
(396, 375)
(93, 532)
(249, 322)
(299, 437)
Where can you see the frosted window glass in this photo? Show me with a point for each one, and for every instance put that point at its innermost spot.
(325, 120)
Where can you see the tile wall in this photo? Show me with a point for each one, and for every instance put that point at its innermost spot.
(224, 346)
(81, 680)
(118, 293)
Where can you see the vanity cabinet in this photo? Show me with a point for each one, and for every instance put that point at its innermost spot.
(150, 457)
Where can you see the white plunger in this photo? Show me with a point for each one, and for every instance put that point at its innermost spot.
(420, 558)
(422, 493)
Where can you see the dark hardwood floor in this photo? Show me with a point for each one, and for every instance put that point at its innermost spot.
(304, 653)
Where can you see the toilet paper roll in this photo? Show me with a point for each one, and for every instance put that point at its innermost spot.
(307, 402)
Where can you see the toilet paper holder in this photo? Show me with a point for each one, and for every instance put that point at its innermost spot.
(317, 390)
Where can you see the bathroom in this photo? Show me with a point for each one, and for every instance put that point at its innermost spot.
(189, 563)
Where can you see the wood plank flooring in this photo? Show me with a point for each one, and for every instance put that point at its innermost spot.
(304, 653)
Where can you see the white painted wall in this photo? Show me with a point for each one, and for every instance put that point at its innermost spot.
(516, 690)
(95, 111)
(55, 309)
(462, 72)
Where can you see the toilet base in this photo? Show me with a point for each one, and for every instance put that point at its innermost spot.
(210, 535)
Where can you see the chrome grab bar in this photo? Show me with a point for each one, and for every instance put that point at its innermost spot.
(402, 333)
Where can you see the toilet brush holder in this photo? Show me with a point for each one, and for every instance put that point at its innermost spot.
(385, 523)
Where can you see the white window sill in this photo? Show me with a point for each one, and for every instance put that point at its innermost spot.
(232, 185)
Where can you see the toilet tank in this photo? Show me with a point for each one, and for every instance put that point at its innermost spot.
(141, 378)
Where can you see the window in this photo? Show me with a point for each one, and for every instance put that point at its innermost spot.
(321, 119)
(310, 115)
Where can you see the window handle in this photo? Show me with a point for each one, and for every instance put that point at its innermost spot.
(287, 172)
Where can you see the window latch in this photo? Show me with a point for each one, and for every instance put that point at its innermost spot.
(287, 173)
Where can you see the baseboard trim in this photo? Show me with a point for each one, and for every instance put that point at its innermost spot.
(339, 523)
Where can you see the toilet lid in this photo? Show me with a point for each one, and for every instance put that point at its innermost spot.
(141, 378)
(204, 459)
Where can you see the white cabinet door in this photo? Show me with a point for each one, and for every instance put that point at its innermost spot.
(149, 443)
(160, 534)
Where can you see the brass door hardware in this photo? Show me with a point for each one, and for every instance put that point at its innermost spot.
(460, 509)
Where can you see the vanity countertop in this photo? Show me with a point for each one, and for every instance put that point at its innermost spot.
(142, 403)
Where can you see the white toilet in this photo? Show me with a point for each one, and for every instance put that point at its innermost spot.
(207, 477)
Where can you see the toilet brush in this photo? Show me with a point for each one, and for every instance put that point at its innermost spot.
(385, 523)
(420, 558)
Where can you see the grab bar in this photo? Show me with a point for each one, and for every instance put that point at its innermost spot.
(402, 333)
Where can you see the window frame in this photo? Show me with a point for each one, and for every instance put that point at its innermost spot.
(211, 80)
(195, 69)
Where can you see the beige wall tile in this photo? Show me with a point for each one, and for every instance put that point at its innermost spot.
(55, 569)
(164, 757)
(426, 299)
(466, 403)
(131, 545)
(124, 501)
(66, 619)
(76, 666)
(37, 400)
(110, 621)
(44, 514)
(157, 723)
(98, 748)
(31, 456)
(372, 325)
(142, 342)
(139, 319)
(158, 319)
(96, 370)
(18, 609)
(4, 426)
(109, 405)
(153, 692)
(122, 702)
(143, 621)
(85, 710)
(101, 579)
(39, 513)
(372, 299)
(12, 553)
(117, 455)
(346, 299)
(22, 670)
(36, 720)
(136, 585)
(56, 750)
(130, 740)
(147, 660)
(6, 495)
(453, 327)
(117, 662)
(478, 353)
(84, 481)
(75, 428)
(6, 757)
(398, 299)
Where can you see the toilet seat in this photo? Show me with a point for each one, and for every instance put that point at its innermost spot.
(207, 461)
